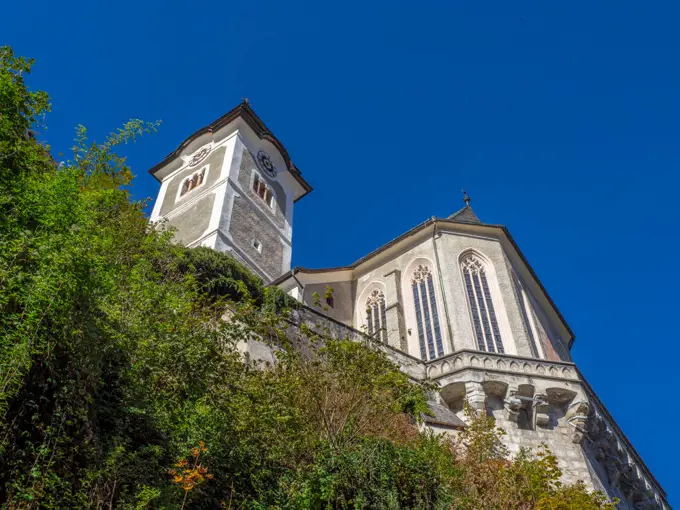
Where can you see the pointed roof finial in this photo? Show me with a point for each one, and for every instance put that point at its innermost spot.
(466, 198)
(245, 100)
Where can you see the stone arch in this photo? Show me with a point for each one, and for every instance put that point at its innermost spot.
(445, 367)
(483, 264)
(360, 304)
(453, 394)
(413, 341)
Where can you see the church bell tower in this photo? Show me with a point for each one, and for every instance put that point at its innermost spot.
(231, 186)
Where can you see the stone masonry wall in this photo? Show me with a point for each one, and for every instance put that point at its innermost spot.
(247, 224)
(248, 164)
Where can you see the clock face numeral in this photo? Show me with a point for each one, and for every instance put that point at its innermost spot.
(265, 163)
(199, 156)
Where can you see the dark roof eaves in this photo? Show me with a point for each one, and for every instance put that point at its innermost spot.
(394, 241)
(245, 111)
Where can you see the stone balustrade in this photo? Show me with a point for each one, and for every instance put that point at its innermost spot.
(478, 360)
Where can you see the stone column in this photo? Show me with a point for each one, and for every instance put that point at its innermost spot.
(394, 312)
(512, 404)
(474, 392)
(543, 410)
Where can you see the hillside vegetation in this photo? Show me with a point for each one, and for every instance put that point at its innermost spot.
(122, 387)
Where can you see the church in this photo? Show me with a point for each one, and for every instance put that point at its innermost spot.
(452, 300)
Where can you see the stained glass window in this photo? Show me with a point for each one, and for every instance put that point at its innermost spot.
(376, 322)
(427, 315)
(484, 321)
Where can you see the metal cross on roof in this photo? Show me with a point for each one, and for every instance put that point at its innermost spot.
(466, 198)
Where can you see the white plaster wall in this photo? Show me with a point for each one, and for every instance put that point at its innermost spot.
(405, 262)
(451, 246)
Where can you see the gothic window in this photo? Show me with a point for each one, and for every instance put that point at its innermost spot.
(375, 314)
(263, 191)
(525, 308)
(427, 315)
(193, 182)
(484, 321)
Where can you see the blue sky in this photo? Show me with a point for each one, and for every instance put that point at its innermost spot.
(561, 119)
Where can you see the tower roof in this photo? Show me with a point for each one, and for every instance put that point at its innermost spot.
(465, 215)
(245, 112)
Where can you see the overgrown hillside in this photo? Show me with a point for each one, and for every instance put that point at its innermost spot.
(121, 385)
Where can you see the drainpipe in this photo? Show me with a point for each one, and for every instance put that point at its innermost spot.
(441, 283)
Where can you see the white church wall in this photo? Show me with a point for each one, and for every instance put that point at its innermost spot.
(404, 263)
(451, 246)
(342, 308)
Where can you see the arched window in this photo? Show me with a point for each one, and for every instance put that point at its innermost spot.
(525, 308)
(375, 314)
(484, 320)
(427, 316)
(262, 190)
(193, 182)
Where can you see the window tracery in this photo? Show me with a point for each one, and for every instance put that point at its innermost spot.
(376, 321)
(484, 321)
(193, 182)
(427, 315)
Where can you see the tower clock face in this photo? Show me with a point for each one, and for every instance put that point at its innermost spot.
(200, 156)
(265, 163)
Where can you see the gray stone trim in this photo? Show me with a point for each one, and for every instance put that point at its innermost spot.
(622, 436)
(396, 305)
(499, 371)
(508, 356)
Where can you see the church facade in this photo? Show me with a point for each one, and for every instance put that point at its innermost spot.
(453, 300)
